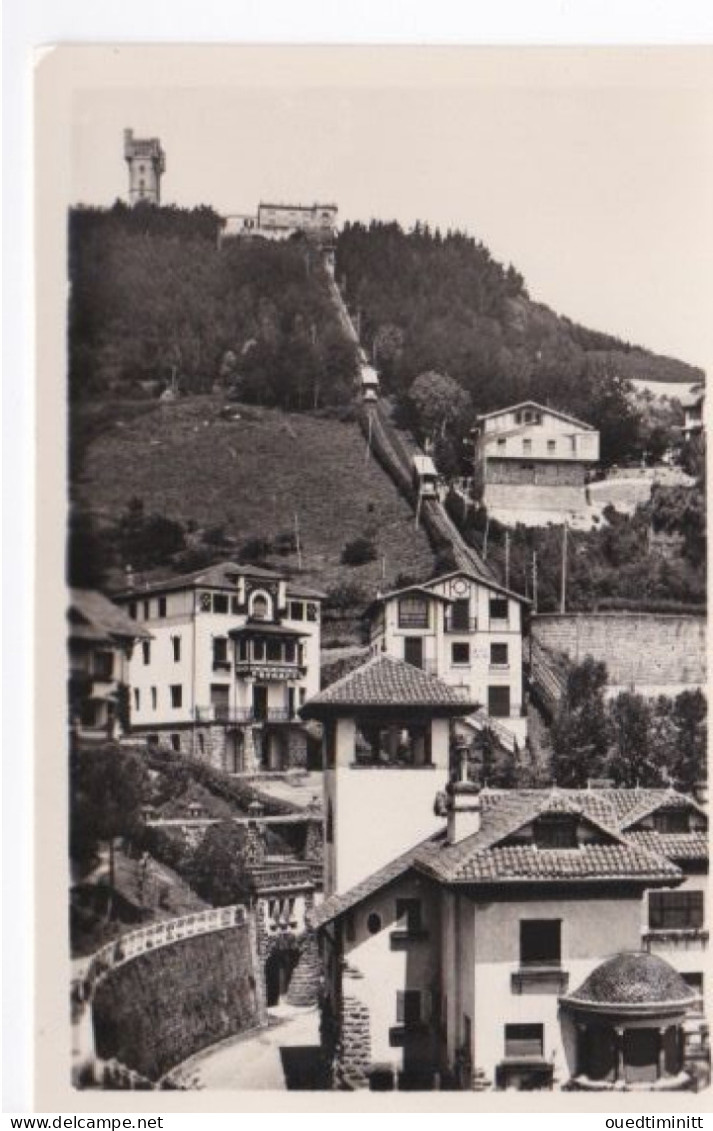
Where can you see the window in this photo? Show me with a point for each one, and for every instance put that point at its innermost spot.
(373, 923)
(274, 651)
(527, 446)
(518, 418)
(672, 821)
(154, 698)
(220, 602)
(176, 645)
(499, 655)
(551, 446)
(147, 610)
(260, 608)
(498, 608)
(242, 649)
(501, 443)
(556, 831)
(460, 615)
(137, 699)
(413, 612)
(410, 911)
(675, 910)
(103, 665)
(460, 653)
(297, 610)
(162, 606)
(312, 611)
(132, 610)
(235, 606)
(408, 1008)
(524, 1040)
(176, 743)
(176, 695)
(290, 652)
(205, 602)
(499, 702)
(220, 652)
(540, 942)
(258, 649)
(528, 416)
(146, 651)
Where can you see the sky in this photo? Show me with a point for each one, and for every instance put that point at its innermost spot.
(597, 187)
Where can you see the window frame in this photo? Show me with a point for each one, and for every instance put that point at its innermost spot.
(552, 960)
(524, 1033)
(176, 693)
(685, 910)
(176, 646)
(414, 619)
(502, 663)
(498, 602)
(146, 652)
(460, 644)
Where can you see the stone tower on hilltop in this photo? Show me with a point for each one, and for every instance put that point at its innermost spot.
(147, 161)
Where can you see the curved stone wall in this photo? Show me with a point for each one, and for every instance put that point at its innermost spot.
(164, 1006)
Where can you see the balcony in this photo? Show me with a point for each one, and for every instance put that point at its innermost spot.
(675, 938)
(270, 669)
(539, 979)
(461, 624)
(217, 713)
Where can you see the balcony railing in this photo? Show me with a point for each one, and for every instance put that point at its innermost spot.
(679, 938)
(223, 714)
(461, 624)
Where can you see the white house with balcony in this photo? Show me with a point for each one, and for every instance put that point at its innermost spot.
(233, 654)
(532, 458)
(468, 631)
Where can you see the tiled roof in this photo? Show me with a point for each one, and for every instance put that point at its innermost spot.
(218, 577)
(631, 979)
(94, 617)
(483, 858)
(655, 801)
(337, 904)
(541, 408)
(676, 846)
(386, 682)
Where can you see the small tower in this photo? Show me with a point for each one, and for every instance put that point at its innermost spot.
(146, 161)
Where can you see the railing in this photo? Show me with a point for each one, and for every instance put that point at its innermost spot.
(157, 935)
(681, 938)
(461, 624)
(220, 714)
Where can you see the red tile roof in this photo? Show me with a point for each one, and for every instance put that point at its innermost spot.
(386, 682)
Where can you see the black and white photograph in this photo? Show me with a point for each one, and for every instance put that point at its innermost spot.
(383, 608)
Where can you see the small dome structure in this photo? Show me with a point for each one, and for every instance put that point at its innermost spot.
(632, 980)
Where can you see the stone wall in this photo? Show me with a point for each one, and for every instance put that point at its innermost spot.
(166, 1005)
(653, 650)
(353, 1052)
(541, 473)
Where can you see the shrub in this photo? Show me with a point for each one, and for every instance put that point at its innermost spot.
(358, 552)
(255, 550)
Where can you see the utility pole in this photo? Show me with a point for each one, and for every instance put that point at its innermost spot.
(367, 453)
(297, 542)
(418, 506)
(563, 595)
(534, 581)
(507, 559)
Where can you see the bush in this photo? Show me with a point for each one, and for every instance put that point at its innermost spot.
(255, 550)
(358, 552)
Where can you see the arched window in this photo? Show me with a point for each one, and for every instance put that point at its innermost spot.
(260, 607)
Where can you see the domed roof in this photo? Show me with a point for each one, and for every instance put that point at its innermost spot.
(632, 979)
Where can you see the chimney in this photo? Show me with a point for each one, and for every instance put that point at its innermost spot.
(463, 804)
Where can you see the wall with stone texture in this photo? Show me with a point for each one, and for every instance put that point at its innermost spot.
(543, 473)
(653, 650)
(166, 1005)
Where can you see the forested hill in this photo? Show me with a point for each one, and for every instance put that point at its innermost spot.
(433, 302)
(154, 301)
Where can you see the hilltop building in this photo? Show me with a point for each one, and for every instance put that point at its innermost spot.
(281, 221)
(234, 653)
(529, 457)
(101, 638)
(542, 939)
(147, 164)
(466, 630)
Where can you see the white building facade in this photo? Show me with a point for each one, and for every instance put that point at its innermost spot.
(466, 630)
(234, 654)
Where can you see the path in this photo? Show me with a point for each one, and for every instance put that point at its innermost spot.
(282, 1057)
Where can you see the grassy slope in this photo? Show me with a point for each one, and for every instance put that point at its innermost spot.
(251, 476)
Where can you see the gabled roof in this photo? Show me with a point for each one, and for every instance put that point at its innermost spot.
(539, 408)
(485, 857)
(385, 682)
(659, 800)
(480, 580)
(419, 590)
(94, 617)
(219, 576)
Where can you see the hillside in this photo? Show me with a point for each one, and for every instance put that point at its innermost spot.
(251, 476)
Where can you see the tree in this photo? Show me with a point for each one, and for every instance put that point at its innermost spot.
(631, 763)
(580, 730)
(690, 714)
(439, 401)
(217, 871)
(107, 789)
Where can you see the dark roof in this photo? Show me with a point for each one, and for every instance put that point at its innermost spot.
(256, 628)
(633, 979)
(484, 858)
(655, 800)
(488, 582)
(94, 617)
(676, 846)
(540, 408)
(388, 683)
(218, 577)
